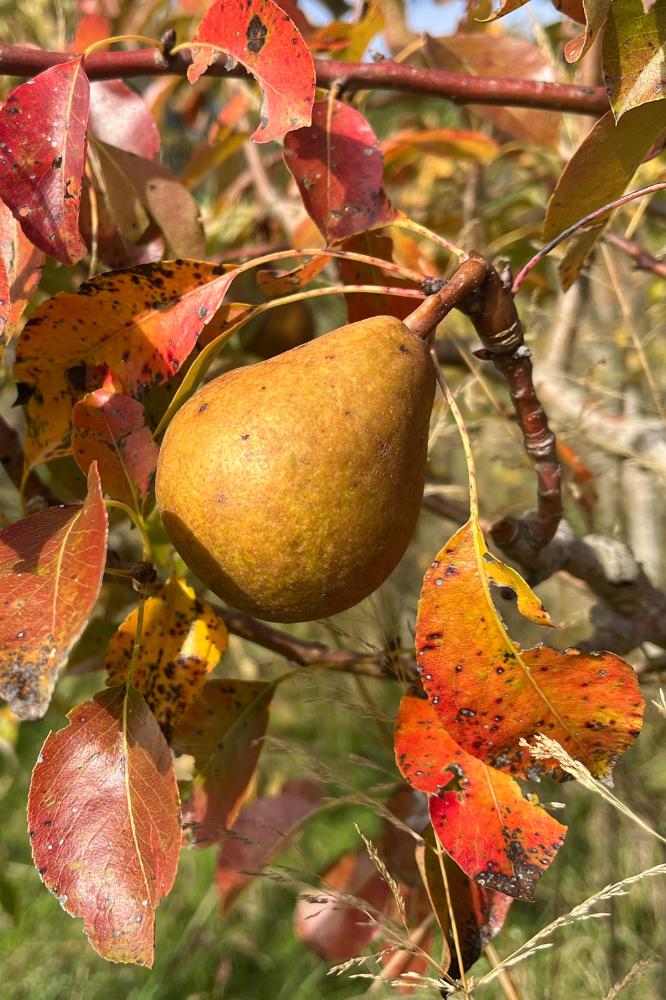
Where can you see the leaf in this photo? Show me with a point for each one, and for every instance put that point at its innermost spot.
(91, 27)
(20, 271)
(140, 325)
(571, 8)
(479, 912)
(120, 117)
(598, 173)
(223, 730)
(410, 144)
(131, 181)
(42, 154)
(109, 428)
(489, 694)
(495, 835)
(182, 640)
(263, 39)
(275, 283)
(103, 817)
(51, 566)
(262, 831)
(507, 7)
(634, 56)
(360, 306)
(338, 166)
(500, 55)
(596, 13)
(330, 925)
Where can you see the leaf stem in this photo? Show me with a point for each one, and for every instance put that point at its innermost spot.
(103, 43)
(137, 520)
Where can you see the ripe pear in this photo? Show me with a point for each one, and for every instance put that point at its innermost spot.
(291, 487)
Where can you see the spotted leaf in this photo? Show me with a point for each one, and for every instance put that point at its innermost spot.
(51, 567)
(259, 35)
(182, 640)
(338, 166)
(489, 694)
(634, 55)
(139, 324)
(103, 818)
(495, 835)
(43, 125)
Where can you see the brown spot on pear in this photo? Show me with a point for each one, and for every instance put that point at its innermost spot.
(321, 463)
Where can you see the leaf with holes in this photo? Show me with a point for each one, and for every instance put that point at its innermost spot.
(103, 817)
(263, 830)
(20, 271)
(51, 567)
(109, 428)
(43, 126)
(223, 730)
(120, 117)
(479, 912)
(599, 172)
(338, 166)
(479, 815)
(489, 694)
(634, 56)
(182, 640)
(139, 324)
(263, 39)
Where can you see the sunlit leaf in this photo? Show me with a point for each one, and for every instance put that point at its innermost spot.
(120, 117)
(262, 831)
(483, 822)
(103, 817)
(489, 694)
(260, 36)
(223, 730)
(409, 144)
(51, 567)
(634, 56)
(43, 127)
(140, 325)
(182, 640)
(338, 166)
(596, 12)
(109, 428)
(20, 271)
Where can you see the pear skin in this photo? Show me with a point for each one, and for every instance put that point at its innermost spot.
(291, 488)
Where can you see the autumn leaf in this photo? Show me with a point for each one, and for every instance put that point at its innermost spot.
(43, 127)
(20, 271)
(408, 145)
(109, 428)
(91, 27)
(275, 283)
(489, 694)
(495, 835)
(103, 818)
(51, 567)
(361, 306)
(479, 913)
(596, 13)
(182, 640)
(223, 730)
(120, 117)
(263, 39)
(598, 173)
(139, 324)
(634, 56)
(262, 831)
(338, 166)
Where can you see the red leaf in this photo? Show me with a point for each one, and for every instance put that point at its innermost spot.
(109, 429)
(43, 127)
(120, 117)
(92, 27)
(261, 832)
(335, 930)
(489, 694)
(338, 166)
(140, 325)
(20, 271)
(223, 730)
(361, 306)
(103, 816)
(260, 36)
(51, 567)
(496, 836)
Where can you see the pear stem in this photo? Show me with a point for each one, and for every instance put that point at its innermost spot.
(465, 284)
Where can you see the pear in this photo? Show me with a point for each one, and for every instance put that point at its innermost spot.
(291, 487)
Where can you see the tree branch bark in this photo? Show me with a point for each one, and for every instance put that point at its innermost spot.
(385, 75)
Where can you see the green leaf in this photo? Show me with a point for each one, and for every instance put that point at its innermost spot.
(634, 55)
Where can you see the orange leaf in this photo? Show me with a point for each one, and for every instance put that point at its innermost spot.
(103, 817)
(496, 836)
(260, 36)
(489, 694)
(51, 567)
(20, 271)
